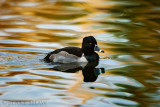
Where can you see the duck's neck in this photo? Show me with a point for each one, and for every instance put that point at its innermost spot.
(87, 51)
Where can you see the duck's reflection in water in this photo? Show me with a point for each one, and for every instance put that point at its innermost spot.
(89, 70)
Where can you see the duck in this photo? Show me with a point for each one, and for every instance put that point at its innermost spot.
(75, 54)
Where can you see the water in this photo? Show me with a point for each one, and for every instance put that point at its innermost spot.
(127, 74)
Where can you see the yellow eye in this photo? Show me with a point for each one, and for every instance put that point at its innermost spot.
(90, 43)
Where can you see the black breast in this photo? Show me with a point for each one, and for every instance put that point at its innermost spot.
(71, 50)
(92, 57)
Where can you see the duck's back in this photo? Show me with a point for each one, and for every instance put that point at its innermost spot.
(64, 55)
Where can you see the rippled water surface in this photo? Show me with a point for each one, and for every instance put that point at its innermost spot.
(127, 74)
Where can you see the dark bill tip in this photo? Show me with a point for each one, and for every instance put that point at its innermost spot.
(101, 51)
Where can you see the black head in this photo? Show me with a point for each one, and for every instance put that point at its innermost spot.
(89, 45)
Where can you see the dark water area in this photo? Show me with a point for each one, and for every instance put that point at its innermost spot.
(127, 75)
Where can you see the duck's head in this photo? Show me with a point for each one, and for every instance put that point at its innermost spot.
(89, 45)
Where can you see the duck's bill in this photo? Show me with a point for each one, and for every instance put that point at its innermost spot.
(96, 48)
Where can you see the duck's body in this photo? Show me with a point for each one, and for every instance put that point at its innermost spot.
(66, 55)
(75, 54)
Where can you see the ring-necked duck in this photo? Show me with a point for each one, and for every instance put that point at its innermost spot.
(75, 54)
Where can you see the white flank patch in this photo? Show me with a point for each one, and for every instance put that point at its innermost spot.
(64, 57)
(82, 59)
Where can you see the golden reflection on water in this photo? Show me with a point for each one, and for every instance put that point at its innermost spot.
(128, 32)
